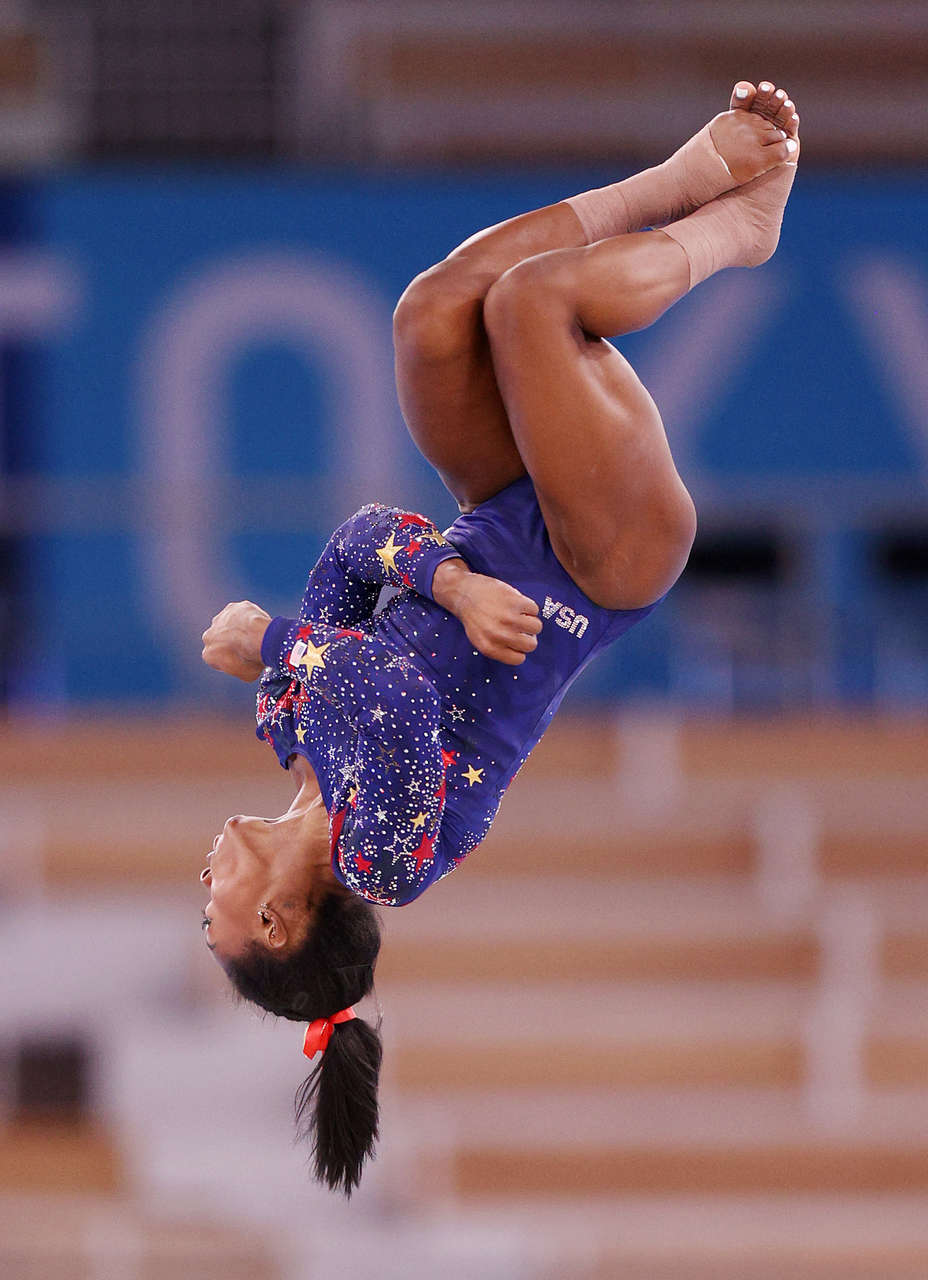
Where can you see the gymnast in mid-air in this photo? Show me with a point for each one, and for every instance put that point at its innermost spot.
(402, 727)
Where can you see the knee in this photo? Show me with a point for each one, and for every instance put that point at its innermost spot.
(643, 565)
(537, 289)
(434, 317)
(655, 564)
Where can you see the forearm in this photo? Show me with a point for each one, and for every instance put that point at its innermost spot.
(383, 546)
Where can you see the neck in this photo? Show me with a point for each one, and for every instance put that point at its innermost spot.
(308, 808)
(308, 794)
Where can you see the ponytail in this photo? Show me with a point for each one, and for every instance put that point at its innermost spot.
(336, 1105)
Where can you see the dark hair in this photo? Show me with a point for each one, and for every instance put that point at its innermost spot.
(336, 1105)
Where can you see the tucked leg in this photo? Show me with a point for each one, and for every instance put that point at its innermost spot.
(620, 520)
(619, 517)
(444, 374)
(502, 365)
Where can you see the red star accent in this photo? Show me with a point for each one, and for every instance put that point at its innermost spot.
(346, 631)
(338, 820)
(285, 701)
(407, 581)
(448, 757)
(440, 793)
(305, 631)
(364, 864)
(424, 853)
(410, 518)
(413, 545)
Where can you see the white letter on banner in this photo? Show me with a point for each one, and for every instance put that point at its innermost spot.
(322, 308)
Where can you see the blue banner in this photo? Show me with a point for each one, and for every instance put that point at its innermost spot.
(208, 391)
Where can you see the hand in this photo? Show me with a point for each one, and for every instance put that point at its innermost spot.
(500, 622)
(232, 641)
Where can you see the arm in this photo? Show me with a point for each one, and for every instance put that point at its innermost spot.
(365, 554)
(376, 547)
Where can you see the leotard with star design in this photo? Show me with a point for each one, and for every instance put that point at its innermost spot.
(412, 734)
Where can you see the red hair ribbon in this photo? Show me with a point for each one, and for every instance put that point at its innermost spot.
(319, 1032)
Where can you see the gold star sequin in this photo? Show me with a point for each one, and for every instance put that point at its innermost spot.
(419, 820)
(313, 658)
(352, 793)
(473, 775)
(300, 735)
(388, 553)
(436, 537)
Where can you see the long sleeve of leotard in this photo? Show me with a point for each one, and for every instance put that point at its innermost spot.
(385, 819)
(378, 546)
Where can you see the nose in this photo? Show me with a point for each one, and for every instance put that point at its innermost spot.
(206, 875)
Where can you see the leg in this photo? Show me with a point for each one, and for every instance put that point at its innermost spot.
(444, 373)
(620, 520)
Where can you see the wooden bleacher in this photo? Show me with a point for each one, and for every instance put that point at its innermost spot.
(87, 1233)
(611, 999)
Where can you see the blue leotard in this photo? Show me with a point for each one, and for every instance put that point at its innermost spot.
(412, 734)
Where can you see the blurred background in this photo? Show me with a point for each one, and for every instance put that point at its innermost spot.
(670, 1019)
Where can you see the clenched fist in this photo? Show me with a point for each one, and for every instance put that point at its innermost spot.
(232, 641)
(500, 621)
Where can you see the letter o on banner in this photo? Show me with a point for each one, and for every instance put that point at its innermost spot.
(313, 303)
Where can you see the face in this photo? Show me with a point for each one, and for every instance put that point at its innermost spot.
(259, 880)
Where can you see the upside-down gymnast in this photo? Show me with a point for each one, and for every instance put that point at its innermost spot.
(402, 728)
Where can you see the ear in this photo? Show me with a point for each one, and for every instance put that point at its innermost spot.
(275, 931)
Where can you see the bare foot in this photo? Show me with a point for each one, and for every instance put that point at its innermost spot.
(754, 211)
(758, 140)
(758, 132)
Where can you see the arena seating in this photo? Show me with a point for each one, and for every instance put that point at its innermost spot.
(682, 982)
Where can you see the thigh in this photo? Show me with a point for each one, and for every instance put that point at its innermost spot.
(455, 415)
(445, 377)
(593, 442)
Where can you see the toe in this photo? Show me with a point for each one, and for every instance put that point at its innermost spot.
(770, 137)
(787, 110)
(764, 101)
(788, 118)
(742, 95)
(778, 153)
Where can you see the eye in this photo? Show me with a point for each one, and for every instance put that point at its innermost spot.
(205, 922)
